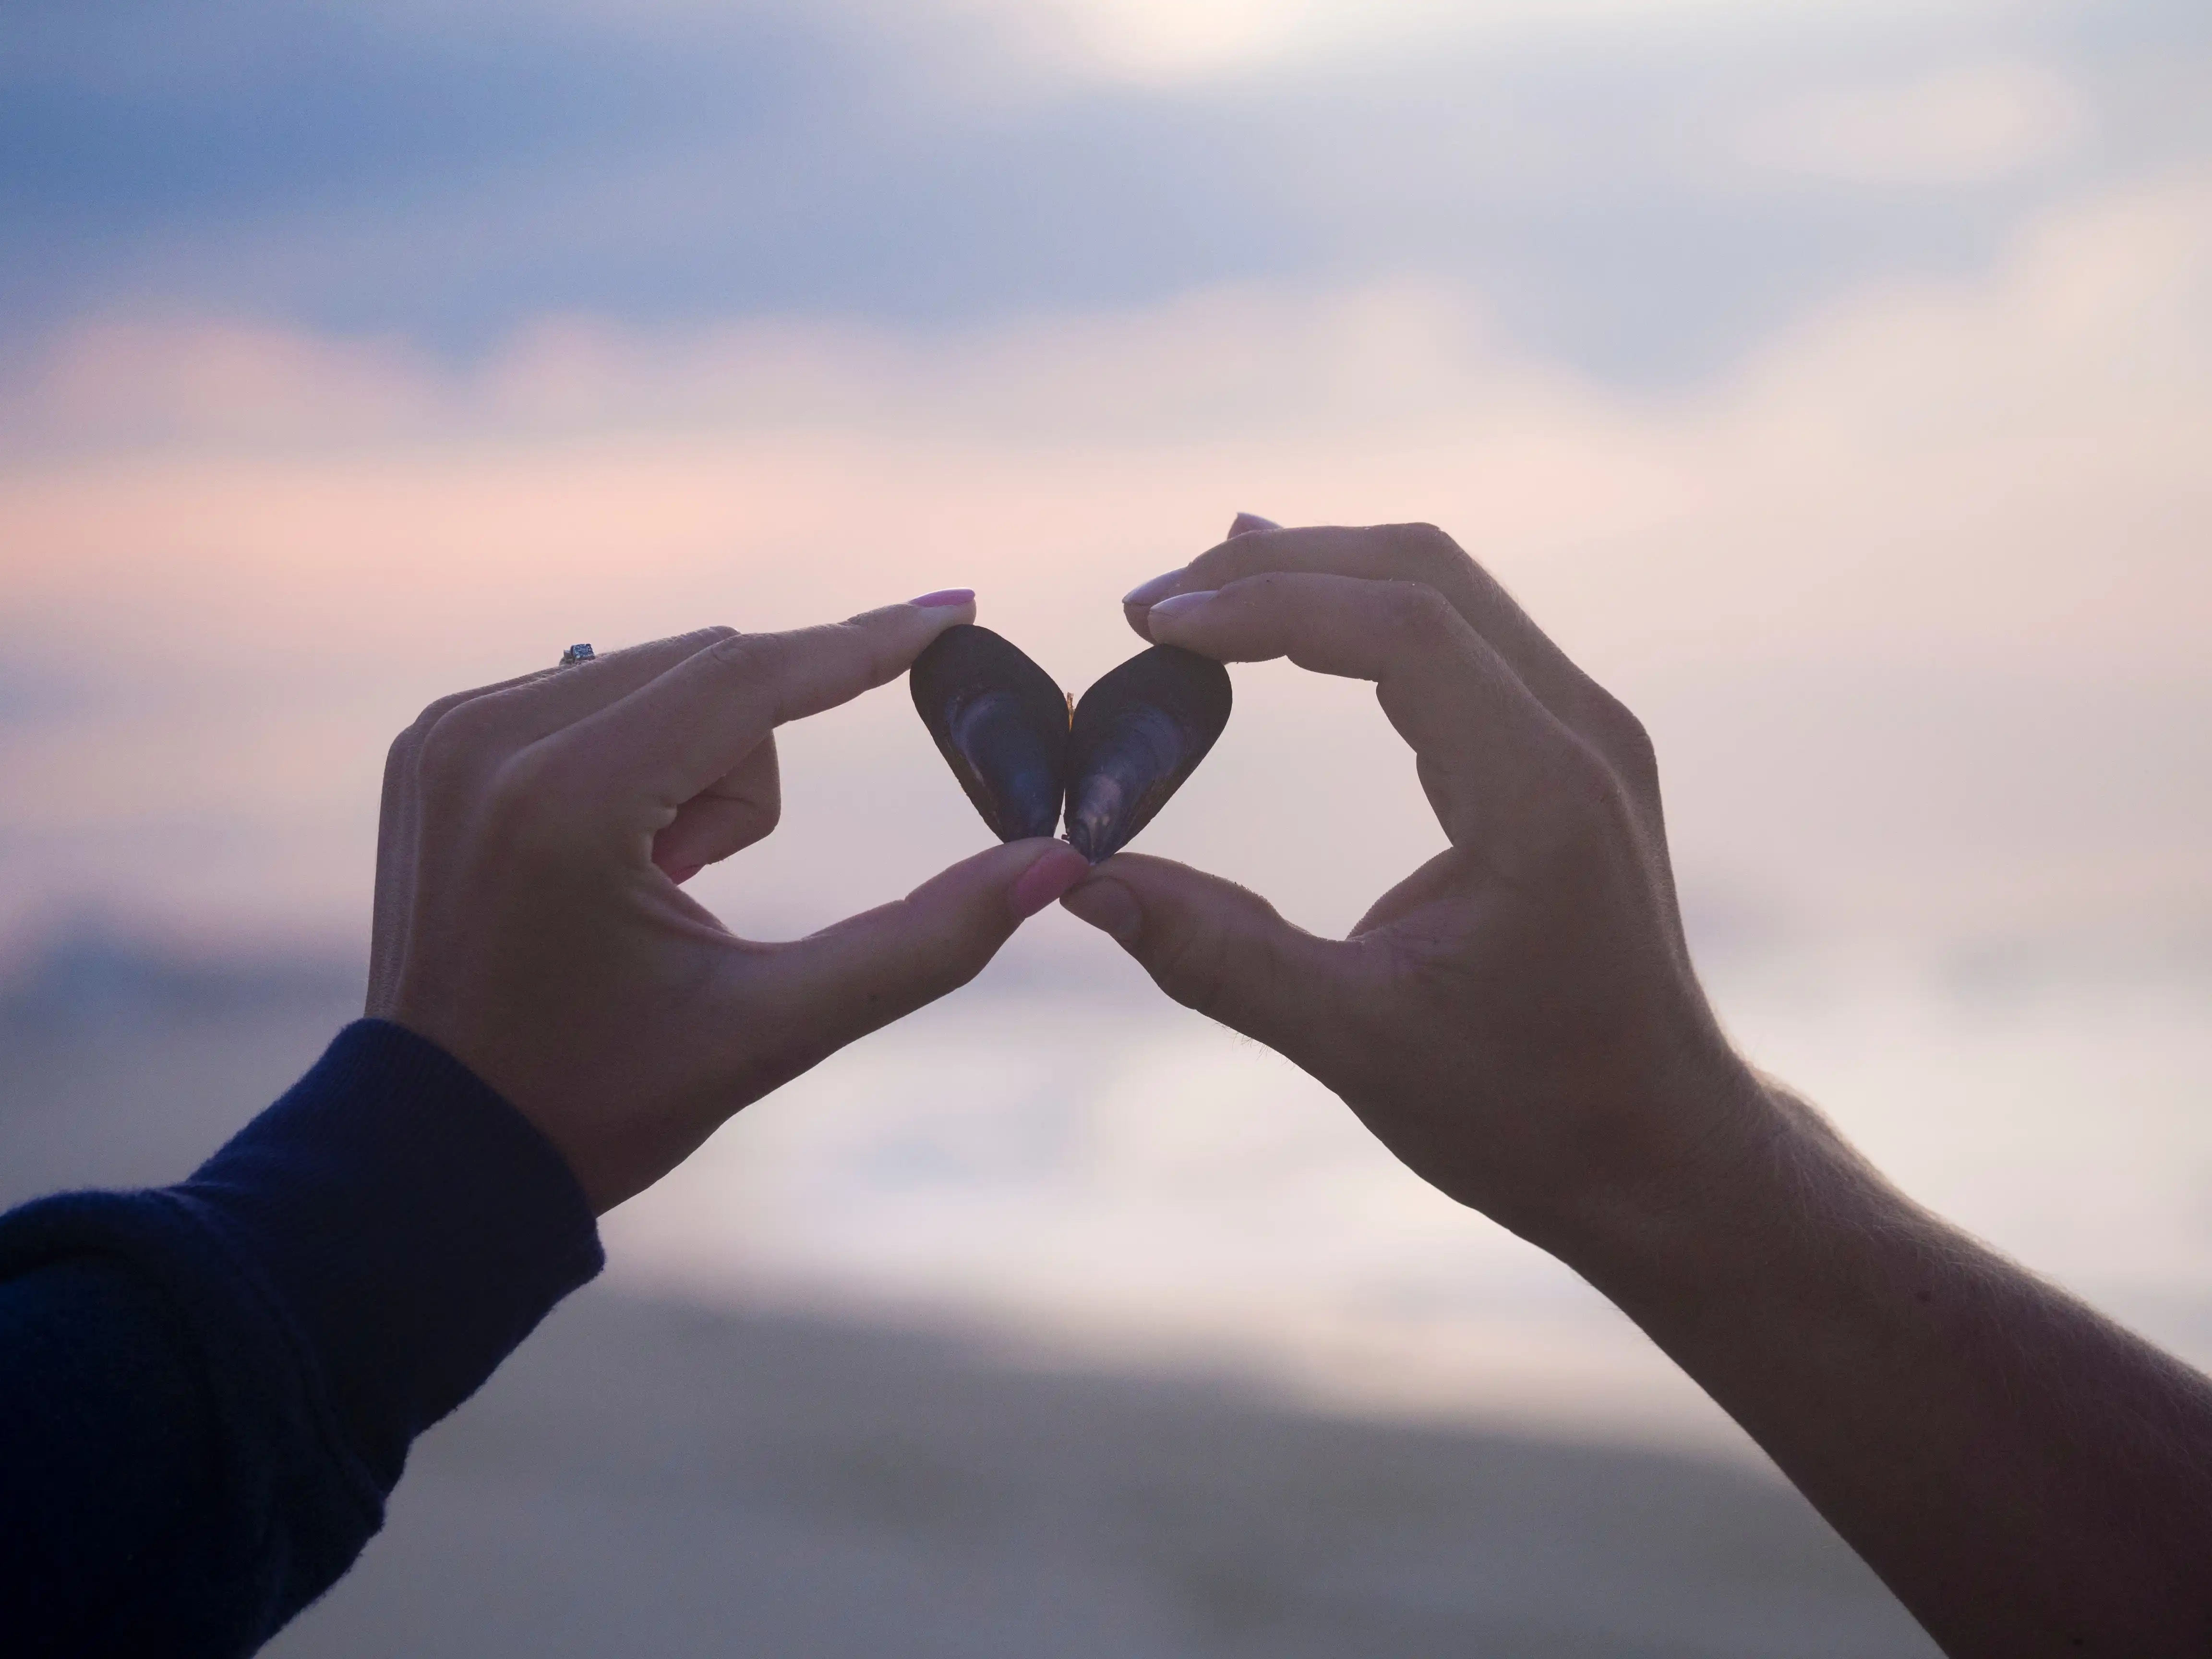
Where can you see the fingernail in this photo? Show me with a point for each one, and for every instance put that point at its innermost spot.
(1245, 523)
(1146, 592)
(1106, 905)
(1181, 604)
(943, 596)
(1047, 879)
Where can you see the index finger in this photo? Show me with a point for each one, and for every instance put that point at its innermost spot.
(672, 737)
(1482, 740)
(1397, 552)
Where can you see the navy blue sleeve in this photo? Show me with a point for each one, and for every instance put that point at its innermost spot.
(207, 1391)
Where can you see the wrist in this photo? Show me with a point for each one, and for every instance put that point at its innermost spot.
(1706, 1197)
(409, 1224)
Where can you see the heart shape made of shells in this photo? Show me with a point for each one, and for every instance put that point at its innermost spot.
(1025, 751)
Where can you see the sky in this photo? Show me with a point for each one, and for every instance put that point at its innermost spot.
(1836, 381)
(1833, 381)
(1640, 189)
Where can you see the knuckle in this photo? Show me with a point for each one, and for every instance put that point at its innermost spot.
(1590, 799)
(399, 758)
(881, 654)
(1265, 583)
(1195, 970)
(735, 652)
(744, 659)
(977, 940)
(1579, 771)
(521, 777)
(409, 742)
(1624, 740)
(518, 798)
(455, 743)
(1430, 548)
(717, 638)
(1609, 735)
(1265, 593)
(678, 647)
(882, 657)
(1222, 973)
(1415, 610)
(440, 707)
(1225, 563)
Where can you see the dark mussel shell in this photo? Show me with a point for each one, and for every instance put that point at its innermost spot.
(1001, 724)
(1137, 734)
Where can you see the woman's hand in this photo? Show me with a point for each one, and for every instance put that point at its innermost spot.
(1517, 1020)
(529, 915)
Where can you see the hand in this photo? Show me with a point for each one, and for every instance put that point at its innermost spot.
(1517, 1020)
(530, 918)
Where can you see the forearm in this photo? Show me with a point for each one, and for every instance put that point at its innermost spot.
(1519, 1020)
(206, 1391)
(2029, 1478)
(108, 1460)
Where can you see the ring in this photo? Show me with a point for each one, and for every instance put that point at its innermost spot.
(574, 654)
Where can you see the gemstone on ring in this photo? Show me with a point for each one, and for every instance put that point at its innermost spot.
(574, 654)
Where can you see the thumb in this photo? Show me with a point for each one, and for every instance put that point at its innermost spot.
(838, 985)
(1219, 948)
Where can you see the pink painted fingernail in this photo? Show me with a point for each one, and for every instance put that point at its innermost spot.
(1182, 604)
(1145, 593)
(943, 597)
(1245, 524)
(1047, 879)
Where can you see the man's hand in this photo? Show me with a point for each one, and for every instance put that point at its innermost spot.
(1517, 1020)
(529, 915)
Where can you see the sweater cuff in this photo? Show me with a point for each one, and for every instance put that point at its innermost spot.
(410, 1227)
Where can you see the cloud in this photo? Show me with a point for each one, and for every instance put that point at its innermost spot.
(1915, 600)
(450, 175)
(1170, 40)
(1246, 358)
(107, 382)
(1963, 126)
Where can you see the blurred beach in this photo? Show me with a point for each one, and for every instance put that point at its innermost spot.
(808, 1455)
(1054, 1319)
